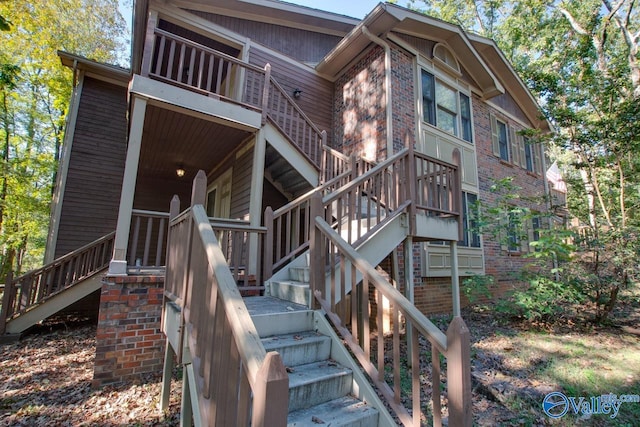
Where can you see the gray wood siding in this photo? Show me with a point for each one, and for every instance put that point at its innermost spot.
(317, 93)
(94, 181)
(241, 186)
(303, 45)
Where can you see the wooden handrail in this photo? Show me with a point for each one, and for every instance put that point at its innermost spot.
(36, 286)
(367, 342)
(216, 317)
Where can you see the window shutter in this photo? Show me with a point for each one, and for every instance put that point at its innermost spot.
(537, 158)
(523, 157)
(495, 142)
(503, 235)
(527, 235)
(513, 146)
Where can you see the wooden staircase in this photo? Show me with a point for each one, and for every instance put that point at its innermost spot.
(38, 294)
(324, 387)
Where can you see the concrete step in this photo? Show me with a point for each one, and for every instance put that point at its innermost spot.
(291, 290)
(273, 316)
(300, 348)
(346, 411)
(299, 274)
(316, 383)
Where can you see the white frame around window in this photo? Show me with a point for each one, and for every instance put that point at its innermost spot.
(435, 110)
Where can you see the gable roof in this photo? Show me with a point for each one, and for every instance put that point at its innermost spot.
(386, 17)
(500, 65)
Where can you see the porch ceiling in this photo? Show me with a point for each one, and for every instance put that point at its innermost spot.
(171, 138)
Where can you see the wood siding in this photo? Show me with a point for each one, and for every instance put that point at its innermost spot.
(94, 181)
(303, 45)
(317, 93)
(241, 186)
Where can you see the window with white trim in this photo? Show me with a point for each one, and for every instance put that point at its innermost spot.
(512, 146)
(446, 107)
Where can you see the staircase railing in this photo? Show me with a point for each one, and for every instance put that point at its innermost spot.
(293, 122)
(289, 225)
(35, 287)
(368, 343)
(237, 381)
(406, 181)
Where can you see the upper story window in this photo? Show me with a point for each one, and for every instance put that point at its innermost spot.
(443, 53)
(446, 107)
(511, 146)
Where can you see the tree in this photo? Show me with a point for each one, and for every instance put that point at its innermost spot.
(580, 57)
(35, 90)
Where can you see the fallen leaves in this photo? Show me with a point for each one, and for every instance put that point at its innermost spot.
(45, 380)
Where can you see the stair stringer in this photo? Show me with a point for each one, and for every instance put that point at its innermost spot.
(56, 303)
(361, 387)
(375, 248)
(291, 154)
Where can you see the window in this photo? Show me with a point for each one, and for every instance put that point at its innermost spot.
(528, 155)
(514, 228)
(470, 236)
(500, 139)
(445, 107)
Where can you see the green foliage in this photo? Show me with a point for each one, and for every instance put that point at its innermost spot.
(477, 286)
(580, 59)
(34, 93)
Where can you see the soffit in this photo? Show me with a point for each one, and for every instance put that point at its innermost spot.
(171, 138)
(387, 17)
(275, 12)
(96, 69)
(511, 80)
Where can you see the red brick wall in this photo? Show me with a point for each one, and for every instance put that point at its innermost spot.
(129, 341)
(360, 113)
(499, 263)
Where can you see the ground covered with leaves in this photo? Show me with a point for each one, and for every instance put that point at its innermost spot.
(45, 380)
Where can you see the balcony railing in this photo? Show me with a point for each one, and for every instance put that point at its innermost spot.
(184, 63)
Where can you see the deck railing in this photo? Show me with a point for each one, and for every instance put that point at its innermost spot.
(406, 181)
(36, 286)
(192, 66)
(148, 238)
(238, 382)
(370, 345)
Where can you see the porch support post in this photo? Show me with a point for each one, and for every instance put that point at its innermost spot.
(459, 373)
(455, 279)
(118, 265)
(409, 287)
(255, 203)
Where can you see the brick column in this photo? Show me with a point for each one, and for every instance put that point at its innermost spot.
(129, 341)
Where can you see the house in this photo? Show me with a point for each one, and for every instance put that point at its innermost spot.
(325, 161)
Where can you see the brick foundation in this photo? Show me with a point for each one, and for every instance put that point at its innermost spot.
(129, 342)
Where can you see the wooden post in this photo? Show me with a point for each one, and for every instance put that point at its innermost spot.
(6, 302)
(455, 278)
(411, 188)
(265, 92)
(268, 244)
(199, 189)
(316, 249)
(459, 373)
(457, 190)
(271, 393)
(149, 42)
(167, 371)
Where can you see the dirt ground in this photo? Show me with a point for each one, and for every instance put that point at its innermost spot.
(45, 380)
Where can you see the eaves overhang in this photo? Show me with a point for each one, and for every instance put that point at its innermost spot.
(518, 90)
(96, 69)
(386, 17)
